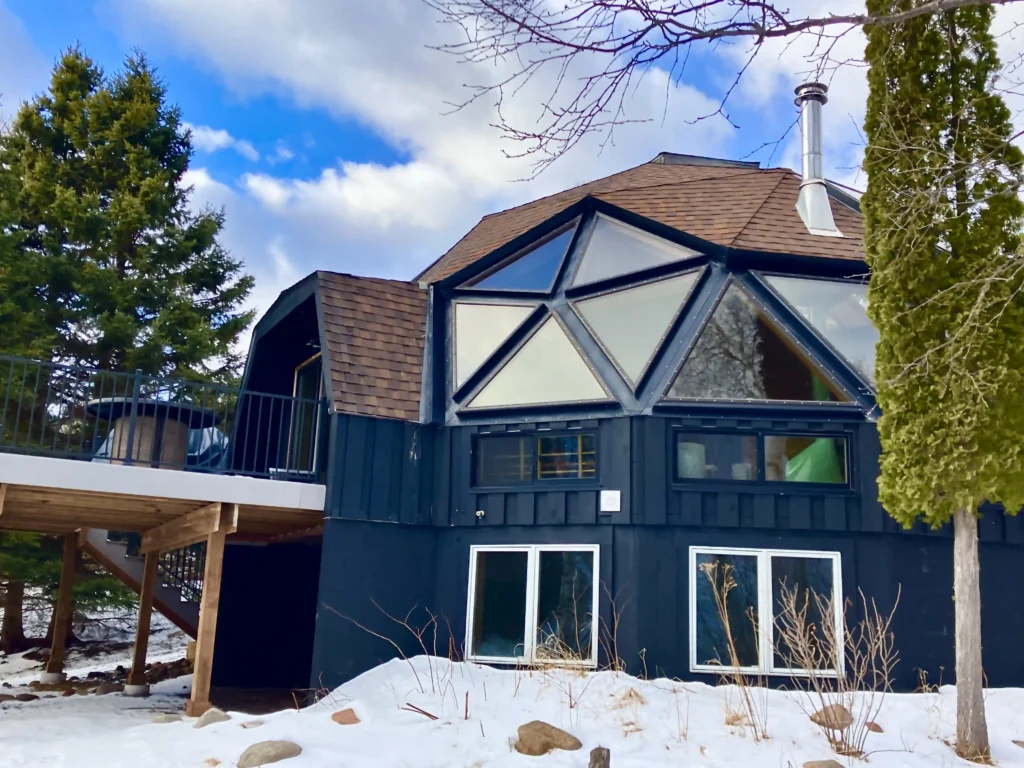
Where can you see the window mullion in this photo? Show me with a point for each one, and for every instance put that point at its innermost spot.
(530, 628)
(764, 608)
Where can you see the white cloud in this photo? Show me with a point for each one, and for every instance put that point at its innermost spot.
(281, 154)
(206, 139)
(369, 62)
(23, 69)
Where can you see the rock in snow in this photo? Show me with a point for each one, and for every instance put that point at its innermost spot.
(835, 717)
(211, 716)
(345, 717)
(823, 764)
(267, 752)
(538, 738)
(600, 757)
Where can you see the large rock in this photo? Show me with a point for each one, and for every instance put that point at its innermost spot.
(6, 697)
(345, 717)
(600, 757)
(538, 738)
(823, 764)
(26, 697)
(211, 716)
(834, 717)
(267, 752)
(104, 688)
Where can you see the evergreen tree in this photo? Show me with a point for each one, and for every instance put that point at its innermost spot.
(128, 277)
(943, 221)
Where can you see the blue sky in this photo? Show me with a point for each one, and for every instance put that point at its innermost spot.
(320, 128)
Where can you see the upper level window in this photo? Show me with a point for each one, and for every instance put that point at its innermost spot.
(775, 458)
(741, 355)
(616, 249)
(839, 312)
(533, 270)
(508, 460)
(479, 330)
(631, 323)
(548, 368)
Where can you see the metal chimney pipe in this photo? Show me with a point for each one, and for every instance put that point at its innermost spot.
(813, 204)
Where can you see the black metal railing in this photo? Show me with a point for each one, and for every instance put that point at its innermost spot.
(184, 569)
(75, 412)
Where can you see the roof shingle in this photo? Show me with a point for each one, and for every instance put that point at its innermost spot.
(731, 206)
(374, 331)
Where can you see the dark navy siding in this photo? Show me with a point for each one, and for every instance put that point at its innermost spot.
(266, 619)
(369, 569)
(382, 470)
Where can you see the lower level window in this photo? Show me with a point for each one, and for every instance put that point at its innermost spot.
(533, 604)
(751, 585)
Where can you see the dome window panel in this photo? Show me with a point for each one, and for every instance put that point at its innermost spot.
(533, 270)
(630, 324)
(741, 355)
(838, 311)
(615, 249)
(547, 369)
(479, 330)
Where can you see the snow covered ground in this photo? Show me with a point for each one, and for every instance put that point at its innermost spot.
(644, 723)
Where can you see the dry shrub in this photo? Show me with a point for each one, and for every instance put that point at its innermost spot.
(751, 710)
(841, 664)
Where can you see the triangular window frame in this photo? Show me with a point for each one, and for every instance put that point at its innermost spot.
(630, 275)
(471, 397)
(776, 325)
(473, 284)
(666, 334)
(531, 310)
(764, 278)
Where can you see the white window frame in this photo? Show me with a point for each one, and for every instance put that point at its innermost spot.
(529, 655)
(765, 608)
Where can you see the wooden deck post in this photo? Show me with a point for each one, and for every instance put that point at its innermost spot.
(208, 607)
(136, 684)
(62, 612)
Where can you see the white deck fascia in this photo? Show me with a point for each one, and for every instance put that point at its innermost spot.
(100, 477)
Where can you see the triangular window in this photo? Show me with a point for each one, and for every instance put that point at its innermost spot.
(741, 355)
(839, 312)
(630, 324)
(547, 369)
(533, 270)
(479, 330)
(616, 249)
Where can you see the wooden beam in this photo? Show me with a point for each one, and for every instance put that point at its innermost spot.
(64, 606)
(3, 495)
(190, 529)
(199, 701)
(137, 676)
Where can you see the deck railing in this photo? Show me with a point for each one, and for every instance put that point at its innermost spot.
(76, 412)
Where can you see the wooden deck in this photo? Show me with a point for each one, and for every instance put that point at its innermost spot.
(171, 509)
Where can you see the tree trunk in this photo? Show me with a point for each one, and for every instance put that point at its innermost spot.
(971, 728)
(12, 633)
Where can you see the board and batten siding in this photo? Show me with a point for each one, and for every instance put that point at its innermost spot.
(381, 470)
(575, 503)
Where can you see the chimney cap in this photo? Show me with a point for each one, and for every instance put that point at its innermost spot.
(811, 91)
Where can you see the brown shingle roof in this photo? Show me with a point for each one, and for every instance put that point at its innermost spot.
(731, 206)
(374, 332)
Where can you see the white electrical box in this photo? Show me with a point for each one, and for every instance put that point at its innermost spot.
(611, 501)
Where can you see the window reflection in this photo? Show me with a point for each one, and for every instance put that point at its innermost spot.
(740, 356)
(839, 312)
